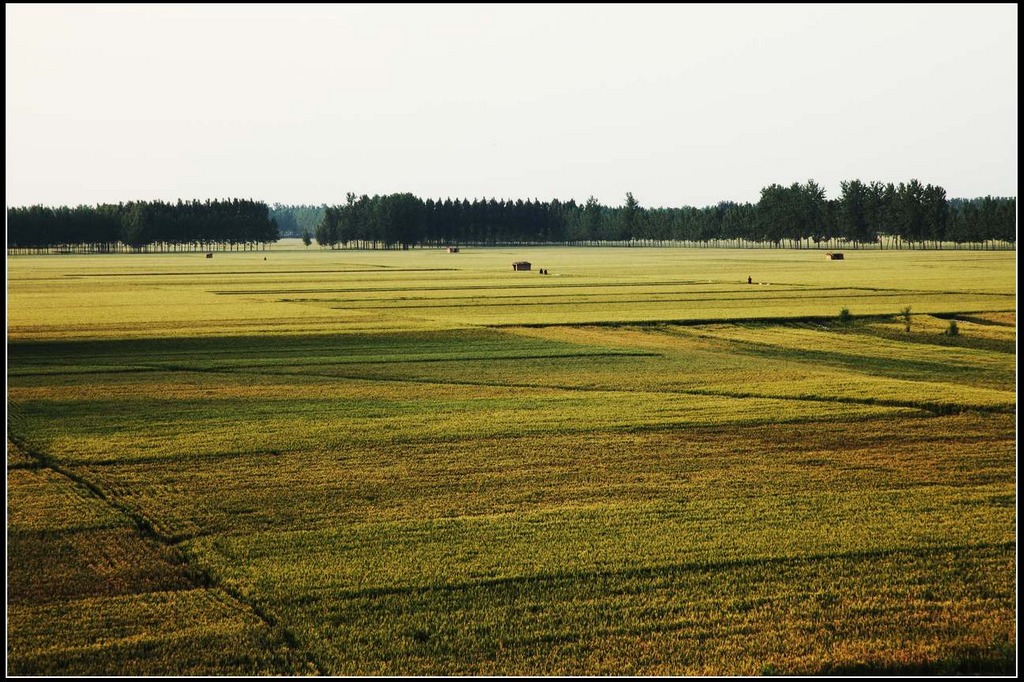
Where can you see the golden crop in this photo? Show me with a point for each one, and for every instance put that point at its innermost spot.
(396, 463)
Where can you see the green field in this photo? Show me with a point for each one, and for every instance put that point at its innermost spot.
(420, 463)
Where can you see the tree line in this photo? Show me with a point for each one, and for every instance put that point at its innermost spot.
(142, 226)
(868, 215)
(297, 220)
(883, 215)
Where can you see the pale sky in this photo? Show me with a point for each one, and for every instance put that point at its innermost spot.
(678, 104)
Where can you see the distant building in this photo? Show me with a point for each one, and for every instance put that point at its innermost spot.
(453, 249)
(834, 256)
(521, 265)
(209, 255)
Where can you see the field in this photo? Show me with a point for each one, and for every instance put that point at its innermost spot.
(420, 463)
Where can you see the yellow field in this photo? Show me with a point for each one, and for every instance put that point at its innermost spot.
(422, 463)
(297, 291)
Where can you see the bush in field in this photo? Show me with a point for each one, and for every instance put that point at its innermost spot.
(905, 316)
(953, 330)
(845, 317)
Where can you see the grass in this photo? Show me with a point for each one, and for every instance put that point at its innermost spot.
(416, 463)
(316, 292)
(88, 594)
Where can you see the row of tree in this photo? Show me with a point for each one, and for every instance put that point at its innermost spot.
(798, 216)
(297, 220)
(141, 225)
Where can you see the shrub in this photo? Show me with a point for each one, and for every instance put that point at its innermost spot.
(905, 316)
(844, 316)
(953, 329)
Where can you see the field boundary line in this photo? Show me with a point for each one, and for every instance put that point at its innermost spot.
(694, 321)
(198, 576)
(683, 567)
(935, 409)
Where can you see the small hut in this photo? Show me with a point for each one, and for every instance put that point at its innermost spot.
(834, 255)
(521, 265)
(453, 249)
(209, 254)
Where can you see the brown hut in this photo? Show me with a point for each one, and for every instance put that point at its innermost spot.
(521, 265)
(834, 255)
(453, 249)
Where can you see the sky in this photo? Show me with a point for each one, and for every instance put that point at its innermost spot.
(681, 105)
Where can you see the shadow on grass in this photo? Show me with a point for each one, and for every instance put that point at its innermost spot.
(998, 659)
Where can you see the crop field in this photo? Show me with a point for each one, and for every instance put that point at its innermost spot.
(420, 463)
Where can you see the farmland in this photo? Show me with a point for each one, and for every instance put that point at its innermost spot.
(420, 463)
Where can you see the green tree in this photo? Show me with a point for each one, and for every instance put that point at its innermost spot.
(592, 219)
(910, 211)
(630, 217)
(814, 214)
(936, 213)
(784, 213)
(135, 225)
(853, 210)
